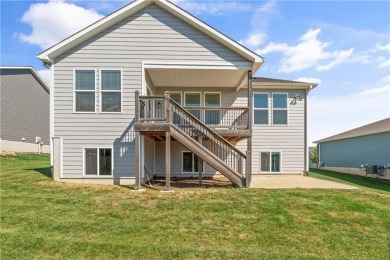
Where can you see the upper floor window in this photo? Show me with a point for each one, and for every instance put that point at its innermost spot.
(260, 108)
(84, 91)
(111, 91)
(279, 109)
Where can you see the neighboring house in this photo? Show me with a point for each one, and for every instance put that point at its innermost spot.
(368, 145)
(24, 106)
(152, 90)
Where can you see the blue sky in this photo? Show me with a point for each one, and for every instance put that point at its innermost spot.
(342, 45)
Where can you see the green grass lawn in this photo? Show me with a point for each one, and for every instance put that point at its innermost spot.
(42, 219)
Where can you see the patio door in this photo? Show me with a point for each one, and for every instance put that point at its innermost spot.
(176, 96)
(212, 100)
(193, 99)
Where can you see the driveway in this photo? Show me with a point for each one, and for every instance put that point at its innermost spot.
(295, 181)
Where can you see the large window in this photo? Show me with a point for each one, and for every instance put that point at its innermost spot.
(192, 100)
(260, 109)
(212, 100)
(279, 109)
(111, 88)
(270, 161)
(84, 85)
(189, 162)
(98, 161)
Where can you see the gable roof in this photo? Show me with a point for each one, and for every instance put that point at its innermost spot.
(281, 83)
(33, 72)
(373, 128)
(134, 7)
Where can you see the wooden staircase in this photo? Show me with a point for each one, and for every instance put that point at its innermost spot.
(160, 115)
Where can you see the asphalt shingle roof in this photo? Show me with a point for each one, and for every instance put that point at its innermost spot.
(373, 128)
(270, 80)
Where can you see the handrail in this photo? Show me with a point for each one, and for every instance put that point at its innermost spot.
(208, 138)
(208, 128)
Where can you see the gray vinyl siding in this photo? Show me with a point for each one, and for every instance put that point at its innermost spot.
(287, 139)
(353, 152)
(151, 34)
(24, 108)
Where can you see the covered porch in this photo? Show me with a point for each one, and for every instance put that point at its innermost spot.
(205, 103)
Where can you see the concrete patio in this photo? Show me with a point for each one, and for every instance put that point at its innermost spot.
(295, 181)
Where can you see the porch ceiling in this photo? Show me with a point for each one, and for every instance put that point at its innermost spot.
(197, 77)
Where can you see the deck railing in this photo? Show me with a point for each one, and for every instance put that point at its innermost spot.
(208, 138)
(152, 109)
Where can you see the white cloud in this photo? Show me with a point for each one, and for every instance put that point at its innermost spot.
(53, 21)
(260, 21)
(212, 7)
(309, 80)
(46, 75)
(309, 52)
(384, 47)
(332, 115)
(254, 40)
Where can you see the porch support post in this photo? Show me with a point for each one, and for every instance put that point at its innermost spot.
(137, 145)
(167, 144)
(248, 175)
(200, 165)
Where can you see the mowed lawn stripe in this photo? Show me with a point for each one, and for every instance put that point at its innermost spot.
(43, 219)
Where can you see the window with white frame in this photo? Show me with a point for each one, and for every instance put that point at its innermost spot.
(84, 87)
(270, 161)
(189, 162)
(98, 161)
(279, 109)
(111, 91)
(260, 108)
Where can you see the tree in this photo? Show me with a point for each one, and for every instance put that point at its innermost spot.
(314, 156)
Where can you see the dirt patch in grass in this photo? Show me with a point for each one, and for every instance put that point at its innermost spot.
(192, 182)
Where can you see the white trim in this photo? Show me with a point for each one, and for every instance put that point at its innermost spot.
(268, 108)
(136, 6)
(114, 91)
(278, 109)
(74, 91)
(51, 113)
(270, 161)
(61, 157)
(98, 160)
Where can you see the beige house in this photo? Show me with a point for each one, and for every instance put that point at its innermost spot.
(152, 90)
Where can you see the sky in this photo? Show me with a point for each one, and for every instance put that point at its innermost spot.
(344, 46)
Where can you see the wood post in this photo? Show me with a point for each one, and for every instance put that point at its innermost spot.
(248, 175)
(200, 165)
(137, 145)
(200, 171)
(167, 144)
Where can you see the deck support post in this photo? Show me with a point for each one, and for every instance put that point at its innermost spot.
(137, 145)
(167, 143)
(248, 174)
(200, 171)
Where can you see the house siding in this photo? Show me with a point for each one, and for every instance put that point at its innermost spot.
(24, 106)
(287, 139)
(353, 152)
(151, 34)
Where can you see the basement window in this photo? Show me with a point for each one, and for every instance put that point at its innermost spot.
(189, 162)
(98, 161)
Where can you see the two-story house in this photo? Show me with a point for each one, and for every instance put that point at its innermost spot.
(152, 89)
